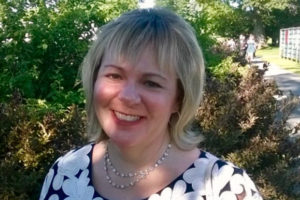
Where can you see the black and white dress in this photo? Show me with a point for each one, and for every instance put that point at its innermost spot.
(70, 179)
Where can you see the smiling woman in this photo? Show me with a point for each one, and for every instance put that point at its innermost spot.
(134, 102)
(143, 79)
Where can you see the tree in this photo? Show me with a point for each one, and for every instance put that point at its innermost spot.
(43, 44)
(265, 14)
(281, 19)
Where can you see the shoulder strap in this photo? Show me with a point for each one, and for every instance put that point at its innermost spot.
(208, 179)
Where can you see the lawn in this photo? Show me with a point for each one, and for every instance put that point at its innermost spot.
(271, 54)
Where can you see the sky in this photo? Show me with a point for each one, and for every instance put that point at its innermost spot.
(146, 3)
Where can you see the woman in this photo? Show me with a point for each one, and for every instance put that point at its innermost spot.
(143, 79)
(251, 48)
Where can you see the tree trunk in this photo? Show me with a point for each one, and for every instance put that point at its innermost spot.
(259, 32)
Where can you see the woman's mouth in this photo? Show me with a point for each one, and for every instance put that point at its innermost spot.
(126, 117)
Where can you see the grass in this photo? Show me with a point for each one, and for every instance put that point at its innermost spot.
(271, 54)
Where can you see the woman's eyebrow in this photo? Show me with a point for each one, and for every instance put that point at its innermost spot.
(113, 66)
(157, 75)
(145, 74)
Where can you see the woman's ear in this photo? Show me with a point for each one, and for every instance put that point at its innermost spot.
(175, 107)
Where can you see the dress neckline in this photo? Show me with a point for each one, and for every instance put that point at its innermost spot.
(171, 184)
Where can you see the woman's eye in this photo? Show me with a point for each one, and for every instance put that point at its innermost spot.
(152, 84)
(113, 76)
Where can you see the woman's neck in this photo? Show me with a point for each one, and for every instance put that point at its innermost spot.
(136, 157)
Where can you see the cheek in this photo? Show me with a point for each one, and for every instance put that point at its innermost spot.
(103, 93)
(162, 104)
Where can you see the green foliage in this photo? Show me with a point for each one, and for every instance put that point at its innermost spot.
(43, 45)
(281, 19)
(225, 20)
(33, 134)
(238, 119)
(197, 16)
(41, 49)
(221, 18)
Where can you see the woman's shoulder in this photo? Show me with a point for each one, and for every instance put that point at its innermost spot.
(76, 158)
(69, 169)
(226, 179)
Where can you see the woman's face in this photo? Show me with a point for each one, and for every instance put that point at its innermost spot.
(134, 102)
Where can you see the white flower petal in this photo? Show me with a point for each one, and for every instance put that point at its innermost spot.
(179, 189)
(191, 196)
(70, 187)
(83, 180)
(154, 197)
(88, 193)
(249, 182)
(70, 164)
(57, 182)
(236, 184)
(54, 197)
(98, 198)
(166, 194)
(196, 176)
(228, 196)
(221, 176)
(47, 184)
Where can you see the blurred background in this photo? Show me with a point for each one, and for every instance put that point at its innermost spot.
(243, 115)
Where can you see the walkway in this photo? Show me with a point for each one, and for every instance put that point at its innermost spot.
(287, 82)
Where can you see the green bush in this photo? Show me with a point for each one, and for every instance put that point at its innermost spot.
(238, 117)
(43, 44)
(33, 134)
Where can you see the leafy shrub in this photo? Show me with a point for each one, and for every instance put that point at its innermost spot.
(238, 117)
(43, 44)
(33, 134)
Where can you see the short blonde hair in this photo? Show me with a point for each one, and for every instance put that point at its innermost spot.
(175, 47)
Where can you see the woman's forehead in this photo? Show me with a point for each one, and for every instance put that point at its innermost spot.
(146, 57)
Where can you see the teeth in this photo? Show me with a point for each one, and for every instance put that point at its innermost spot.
(124, 117)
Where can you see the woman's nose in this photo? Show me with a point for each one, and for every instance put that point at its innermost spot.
(129, 94)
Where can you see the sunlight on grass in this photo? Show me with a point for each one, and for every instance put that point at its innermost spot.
(271, 54)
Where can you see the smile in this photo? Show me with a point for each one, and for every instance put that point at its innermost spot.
(128, 118)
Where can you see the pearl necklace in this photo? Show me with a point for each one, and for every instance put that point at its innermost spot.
(136, 176)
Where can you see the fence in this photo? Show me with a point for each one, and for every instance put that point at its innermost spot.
(290, 43)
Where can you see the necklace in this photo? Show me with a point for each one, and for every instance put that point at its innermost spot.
(136, 176)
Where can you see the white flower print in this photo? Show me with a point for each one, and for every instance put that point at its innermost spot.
(70, 176)
(249, 187)
(196, 175)
(237, 183)
(70, 164)
(54, 197)
(220, 177)
(46, 184)
(77, 188)
(228, 195)
(178, 193)
(178, 190)
(169, 194)
(166, 194)
(242, 183)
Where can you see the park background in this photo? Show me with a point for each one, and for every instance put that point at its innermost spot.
(42, 114)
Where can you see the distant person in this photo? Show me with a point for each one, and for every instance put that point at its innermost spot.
(242, 46)
(231, 45)
(143, 78)
(251, 48)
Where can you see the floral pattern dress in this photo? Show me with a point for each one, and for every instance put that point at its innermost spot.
(70, 179)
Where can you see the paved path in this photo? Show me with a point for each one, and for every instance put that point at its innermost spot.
(287, 82)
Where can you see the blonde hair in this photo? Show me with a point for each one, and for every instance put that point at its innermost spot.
(175, 47)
